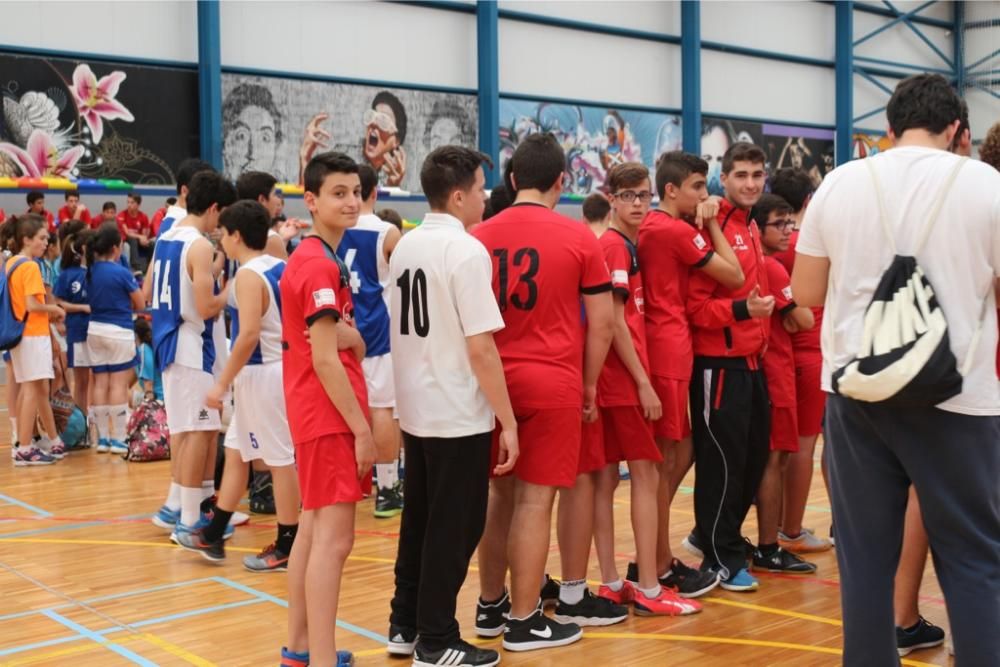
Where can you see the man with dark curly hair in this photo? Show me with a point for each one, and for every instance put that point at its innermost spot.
(989, 152)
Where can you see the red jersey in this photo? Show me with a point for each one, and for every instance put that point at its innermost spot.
(3, 216)
(314, 285)
(157, 219)
(49, 218)
(805, 343)
(779, 361)
(542, 263)
(65, 215)
(668, 249)
(616, 386)
(139, 224)
(721, 326)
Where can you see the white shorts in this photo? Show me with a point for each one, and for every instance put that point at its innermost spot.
(259, 429)
(110, 355)
(378, 378)
(184, 391)
(78, 355)
(32, 359)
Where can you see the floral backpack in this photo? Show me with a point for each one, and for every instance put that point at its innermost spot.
(148, 437)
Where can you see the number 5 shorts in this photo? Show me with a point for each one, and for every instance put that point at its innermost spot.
(184, 391)
(259, 428)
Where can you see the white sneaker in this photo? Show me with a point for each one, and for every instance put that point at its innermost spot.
(805, 543)
(239, 518)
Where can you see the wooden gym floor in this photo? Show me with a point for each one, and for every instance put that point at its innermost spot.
(86, 579)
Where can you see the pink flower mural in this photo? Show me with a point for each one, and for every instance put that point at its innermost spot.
(96, 99)
(42, 157)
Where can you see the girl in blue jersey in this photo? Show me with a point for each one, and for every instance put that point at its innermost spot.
(113, 295)
(150, 379)
(71, 295)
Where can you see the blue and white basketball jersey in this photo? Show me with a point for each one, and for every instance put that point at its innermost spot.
(173, 215)
(361, 251)
(269, 345)
(179, 334)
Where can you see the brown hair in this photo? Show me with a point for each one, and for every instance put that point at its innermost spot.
(989, 152)
(742, 151)
(23, 227)
(627, 174)
(596, 207)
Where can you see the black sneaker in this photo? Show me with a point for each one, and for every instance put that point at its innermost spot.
(693, 546)
(389, 502)
(921, 635)
(491, 618)
(780, 560)
(591, 610)
(550, 592)
(687, 581)
(401, 640)
(458, 654)
(538, 631)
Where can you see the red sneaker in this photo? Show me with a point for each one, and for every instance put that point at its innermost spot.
(668, 603)
(624, 596)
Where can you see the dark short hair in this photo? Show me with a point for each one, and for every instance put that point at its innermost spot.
(171, 201)
(627, 174)
(391, 216)
(207, 188)
(596, 207)
(250, 219)
(34, 196)
(254, 184)
(71, 193)
(742, 151)
(768, 204)
(537, 163)
(369, 180)
(792, 185)
(447, 169)
(324, 164)
(499, 199)
(923, 102)
(398, 110)
(143, 330)
(675, 167)
(109, 206)
(187, 169)
(136, 197)
(963, 124)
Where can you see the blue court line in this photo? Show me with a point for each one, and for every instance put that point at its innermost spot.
(31, 508)
(350, 627)
(45, 644)
(93, 636)
(52, 529)
(180, 615)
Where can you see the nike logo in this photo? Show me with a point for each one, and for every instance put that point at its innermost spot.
(544, 634)
(482, 617)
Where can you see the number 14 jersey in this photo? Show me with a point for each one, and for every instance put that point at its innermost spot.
(543, 262)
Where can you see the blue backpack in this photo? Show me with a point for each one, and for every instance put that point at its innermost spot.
(11, 328)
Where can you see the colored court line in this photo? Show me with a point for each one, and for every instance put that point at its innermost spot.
(177, 651)
(51, 529)
(23, 505)
(89, 647)
(364, 632)
(180, 615)
(773, 610)
(43, 644)
(93, 636)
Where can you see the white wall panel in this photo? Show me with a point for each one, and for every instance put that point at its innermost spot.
(900, 44)
(363, 40)
(765, 25)
(773, 90)
(555, 62)
(162, 30)
(663, 17)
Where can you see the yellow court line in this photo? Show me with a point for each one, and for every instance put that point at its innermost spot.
(773, 610)
(178, 651)
(88, 647)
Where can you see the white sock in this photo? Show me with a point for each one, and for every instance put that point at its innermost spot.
(616, 586)
(207, 488)
(386, 474)
(13, 429)
(190, 505)
(651, 593)
(173, 502)
(119, 421)
(571, 592)
(102, 415)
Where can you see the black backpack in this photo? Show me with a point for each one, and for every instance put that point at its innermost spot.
(905, 359)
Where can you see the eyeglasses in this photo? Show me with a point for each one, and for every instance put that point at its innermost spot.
(382, 120)
(782, 225)
(629, 196)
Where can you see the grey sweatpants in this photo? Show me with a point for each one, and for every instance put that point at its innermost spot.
(953, 462)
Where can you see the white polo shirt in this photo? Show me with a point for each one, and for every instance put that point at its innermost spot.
(961, 257)
(441, 292)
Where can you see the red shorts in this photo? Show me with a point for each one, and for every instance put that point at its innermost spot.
(675, 424)
(628, 435)
(328, 471)
(811, 398)
(784, 429)
(592, 446)
(550, 446)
